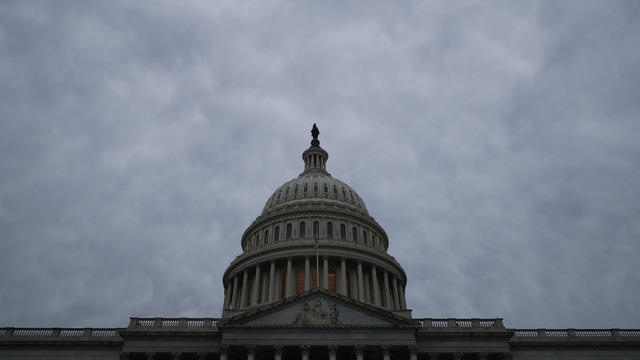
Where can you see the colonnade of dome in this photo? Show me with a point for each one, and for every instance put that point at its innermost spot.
(279, 259)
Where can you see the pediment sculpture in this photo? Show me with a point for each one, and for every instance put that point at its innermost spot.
(316, 314)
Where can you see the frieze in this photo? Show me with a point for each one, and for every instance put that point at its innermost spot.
(316, 314)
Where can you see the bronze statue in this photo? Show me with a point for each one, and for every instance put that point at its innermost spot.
(315, 132)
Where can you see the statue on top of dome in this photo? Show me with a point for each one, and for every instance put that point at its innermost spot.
(315, 132)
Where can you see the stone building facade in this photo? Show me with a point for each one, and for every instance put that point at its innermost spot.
(315, 281)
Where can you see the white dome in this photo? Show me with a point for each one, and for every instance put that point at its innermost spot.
(315, 185)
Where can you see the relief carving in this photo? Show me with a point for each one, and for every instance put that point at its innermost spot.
(317, 315)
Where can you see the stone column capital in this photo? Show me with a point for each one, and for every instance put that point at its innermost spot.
(176, 355)
(124, 356)
(483, 356)
(149, 355)
(278, 348)
(385, 348)
(203, 355)
(507, 356)
(359, 348)
(224, 348)
(458, 355)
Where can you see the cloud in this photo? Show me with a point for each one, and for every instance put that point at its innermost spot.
(495, 143)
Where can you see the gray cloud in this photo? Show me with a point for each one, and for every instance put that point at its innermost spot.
(495, 143)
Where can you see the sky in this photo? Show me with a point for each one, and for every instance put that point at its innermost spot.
(496, 142)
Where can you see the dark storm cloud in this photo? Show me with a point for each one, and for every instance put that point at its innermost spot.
(494, 143)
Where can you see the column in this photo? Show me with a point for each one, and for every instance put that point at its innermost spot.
(251, 352)
(332, 352)
(227, 296)
(413, 352)
(403, 302)
(325, 273)
(360, 283)
(359, 352)
(307, 274)
(256, 286)
(272, 280)
(387, 293)
(367, 287)
(277, 352)
(376, 287)
(343, 276)
(234, 295)
(386, 352)
(243, 297)
(396, 301)
(353, 275)
(305, 352)
(458, 355)
(176, 355)
(223, 352)
(289, 277)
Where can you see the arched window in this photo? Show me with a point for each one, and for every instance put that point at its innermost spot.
(373, 241)
(343, 231)
(364, 237)
(335, 190)
(276, 234)
(295, 189)
(266, 236)
(316, 228)
(257, 239)
(306, 188)
(315, 187)
(289, 230)
(354, 234)
(330, 230)
(326, 189)
(286, 193)
(301, 232)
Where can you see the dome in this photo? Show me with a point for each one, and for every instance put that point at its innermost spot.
(315, 185)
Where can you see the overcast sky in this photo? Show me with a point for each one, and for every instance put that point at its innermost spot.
(496, 143)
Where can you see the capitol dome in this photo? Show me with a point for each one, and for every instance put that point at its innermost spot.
(314, 231)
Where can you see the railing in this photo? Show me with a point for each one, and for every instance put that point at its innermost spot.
(452, 323)
(57, 332)
(573, 333)
(173, 323)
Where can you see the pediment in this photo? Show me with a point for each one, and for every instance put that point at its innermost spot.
(318, 308)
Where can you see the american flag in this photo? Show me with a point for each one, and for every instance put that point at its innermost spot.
(315, 241)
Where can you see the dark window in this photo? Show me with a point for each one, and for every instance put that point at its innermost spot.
(295, 190)
(266, 236)
(330, 230)
(354, 234)
(316, 228)
(286, 193)
(301, 232)
(335, 190)
(276, 234)
(257, 239)
(364, 237)
(343, 231)
(306, 188)
(289, 227)
(326, 189)
(344, 195)
(315, 187)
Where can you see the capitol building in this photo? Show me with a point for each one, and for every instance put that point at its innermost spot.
(314, 281)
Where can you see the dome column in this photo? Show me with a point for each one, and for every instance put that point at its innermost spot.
(376, 286)
(227, 296)
(325, 273)
(272, 279)
(307, 274)
(243, 296)
(234, 294)
(387, 294)
(396, 300)
(360, 283)
(403, 302)
(343, 276)
(289, 277)
(256, 286)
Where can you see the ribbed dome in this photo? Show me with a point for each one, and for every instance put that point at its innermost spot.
(315, 185)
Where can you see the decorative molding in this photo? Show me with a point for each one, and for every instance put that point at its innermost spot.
(316, 314)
